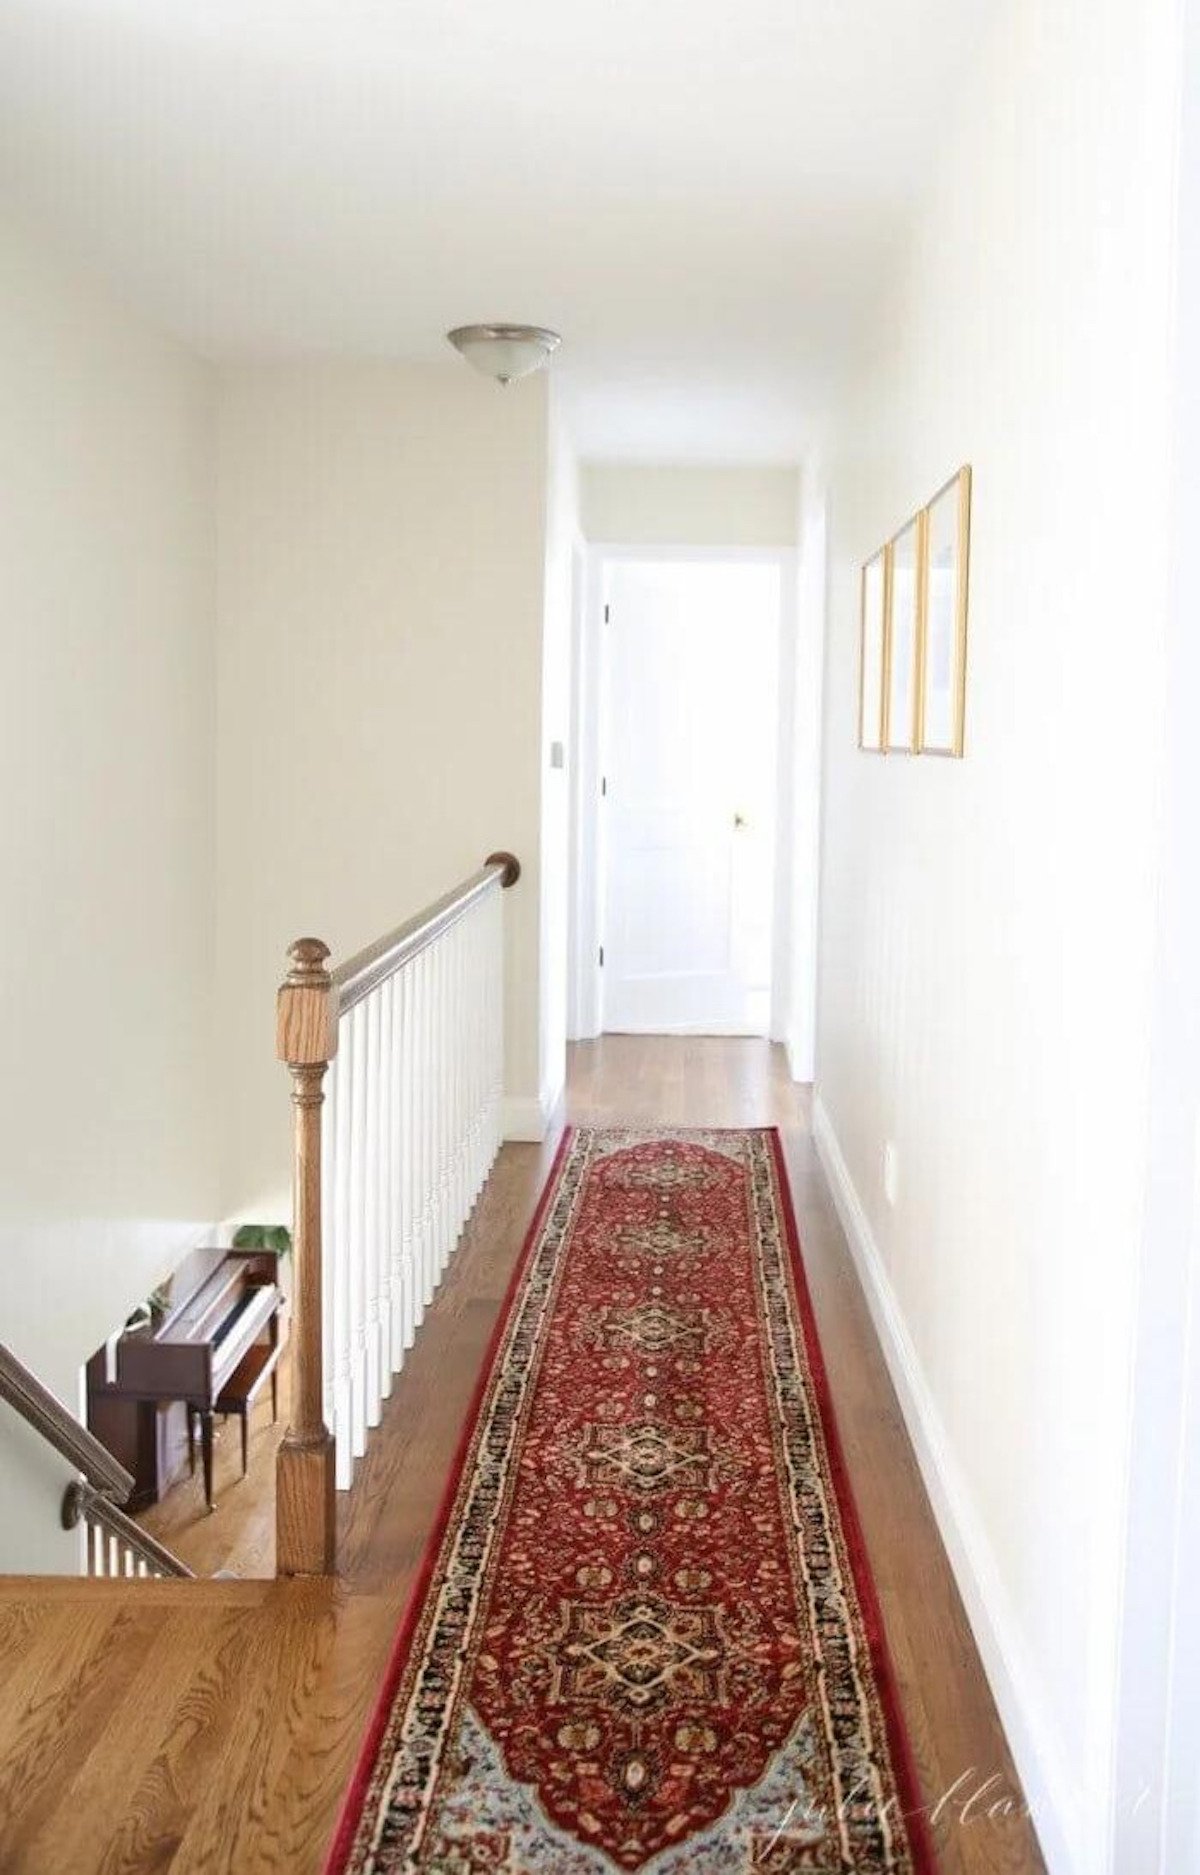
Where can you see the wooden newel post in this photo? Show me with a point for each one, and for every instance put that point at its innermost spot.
(306, 1039)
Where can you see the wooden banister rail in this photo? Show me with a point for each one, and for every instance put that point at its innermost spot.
(365, 971)
(39, 1408)
(311, 1000)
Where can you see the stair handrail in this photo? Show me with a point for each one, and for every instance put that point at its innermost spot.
(310, 1002)
(42, 1410)
(82, 1502)
(375, 963)
(103, 1485)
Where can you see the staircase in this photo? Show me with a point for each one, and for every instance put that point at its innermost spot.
(409, 1035)
(150, 1719)
(115, 1545)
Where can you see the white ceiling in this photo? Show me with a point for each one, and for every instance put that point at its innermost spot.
(702, 195)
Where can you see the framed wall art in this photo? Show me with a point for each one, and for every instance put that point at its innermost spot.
(944, 635)
(902, 640)
(872, 651)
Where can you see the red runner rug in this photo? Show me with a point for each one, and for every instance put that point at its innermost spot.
(645, 1636)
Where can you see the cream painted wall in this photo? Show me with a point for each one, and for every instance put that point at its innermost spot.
(381, 600)
(1157, 1793)
(564, 543)
(634, 505)
(106, 840)
(797, 887)
(987, 926)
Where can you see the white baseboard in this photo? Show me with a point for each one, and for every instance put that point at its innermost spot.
(527, 1116)
(1049, 1789)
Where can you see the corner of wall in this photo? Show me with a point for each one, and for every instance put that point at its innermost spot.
(525, 1118)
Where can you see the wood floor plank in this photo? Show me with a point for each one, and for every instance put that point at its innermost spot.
(57, 1701)
(231, 1731)
(157, 1747)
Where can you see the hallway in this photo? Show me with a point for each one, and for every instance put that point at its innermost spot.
(213, 1726)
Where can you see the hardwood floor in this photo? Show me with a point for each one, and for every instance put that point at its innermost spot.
(212, 1726)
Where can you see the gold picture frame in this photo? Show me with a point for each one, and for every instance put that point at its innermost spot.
(945, 576)
(872, 652)
(902, 639)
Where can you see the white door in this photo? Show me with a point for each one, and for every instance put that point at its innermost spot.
(690, 674)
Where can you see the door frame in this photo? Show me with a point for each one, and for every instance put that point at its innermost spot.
(589, 850)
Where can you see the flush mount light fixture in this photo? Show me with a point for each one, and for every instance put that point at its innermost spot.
(505, 352)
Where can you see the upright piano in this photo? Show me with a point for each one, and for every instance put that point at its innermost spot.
(221, 1303)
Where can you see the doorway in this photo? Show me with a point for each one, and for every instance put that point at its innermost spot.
(687, 691)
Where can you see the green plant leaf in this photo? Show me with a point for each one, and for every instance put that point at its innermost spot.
(276, 1238)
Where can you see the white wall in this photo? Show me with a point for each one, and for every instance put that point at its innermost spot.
(797, 886)
(106, 839)
(636, 505)
(1156, 1794)
(987, 926)
(382, 568)
(563, 597)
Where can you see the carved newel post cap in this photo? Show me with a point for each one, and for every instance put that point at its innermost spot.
(511, 865)
(308, 957)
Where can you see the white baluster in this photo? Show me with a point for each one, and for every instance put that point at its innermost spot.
(466, 1051)
(329, 1247)
(454, 1047)
(478, 1043)
(486, 1037)
(437, 1089)
(372, 1221)
(497, 1026)
(479, 1047)
(386, 1213)
(424, 1078)
(408, 1158)
(495, 1063)
(358, 1232)
(462, 1083)
(343, 1391)
(419, 1120)
(450, 1234)
(396, 1213)
(449, 1076)
(453, 1070)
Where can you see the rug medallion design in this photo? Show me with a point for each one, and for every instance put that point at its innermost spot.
(645, 1637)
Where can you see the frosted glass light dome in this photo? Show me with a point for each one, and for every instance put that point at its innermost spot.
(505, 352)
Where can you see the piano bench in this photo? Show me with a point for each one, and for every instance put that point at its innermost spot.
(258, 1365)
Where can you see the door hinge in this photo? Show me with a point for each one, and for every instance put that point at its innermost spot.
(604, 784)
(607, 612)
(602, 957)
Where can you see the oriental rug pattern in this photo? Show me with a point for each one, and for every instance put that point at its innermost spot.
(645, 1637)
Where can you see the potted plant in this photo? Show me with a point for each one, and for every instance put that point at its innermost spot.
(273, 1239)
